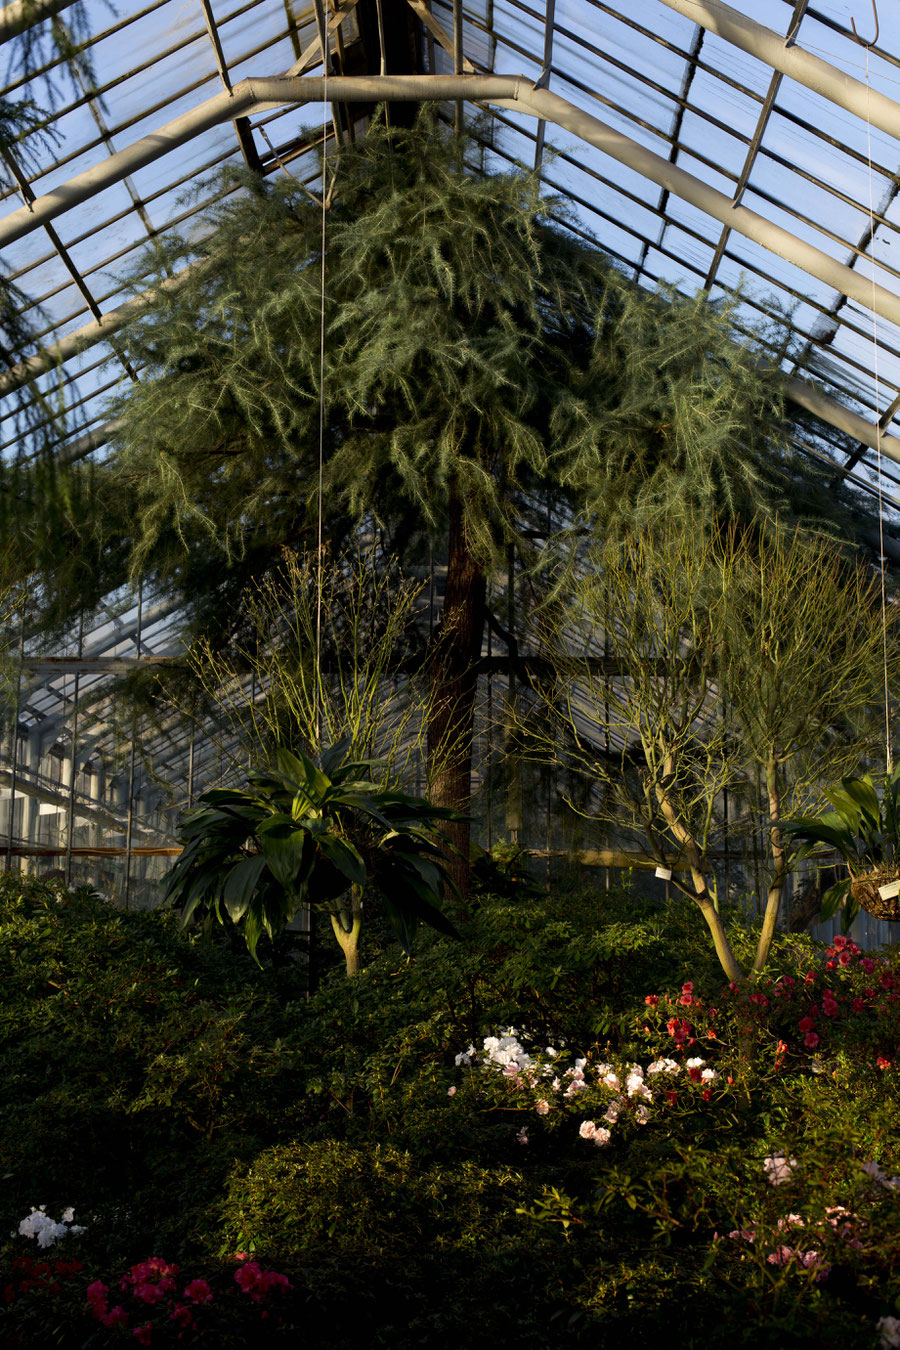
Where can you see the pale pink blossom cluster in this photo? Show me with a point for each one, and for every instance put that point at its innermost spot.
(778, 1168)
(596, 1133)
(889, 1330)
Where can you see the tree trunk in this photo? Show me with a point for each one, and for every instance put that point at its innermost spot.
(779, 862)
(347, 924)
(454, 679)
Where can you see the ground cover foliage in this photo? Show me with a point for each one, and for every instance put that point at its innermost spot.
(564, 1129)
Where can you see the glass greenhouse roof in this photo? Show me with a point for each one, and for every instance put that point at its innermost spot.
(773, 167)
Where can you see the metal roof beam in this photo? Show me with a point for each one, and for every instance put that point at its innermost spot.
(24, 14)
(811, 71)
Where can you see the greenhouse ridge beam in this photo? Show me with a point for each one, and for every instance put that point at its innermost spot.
(513, 92)
(811, 71)
(19, 16)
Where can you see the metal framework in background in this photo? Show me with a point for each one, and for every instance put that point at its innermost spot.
(699, 144)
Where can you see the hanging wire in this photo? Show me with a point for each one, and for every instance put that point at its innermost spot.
(319, 541)
(889, 762)
(862, 41)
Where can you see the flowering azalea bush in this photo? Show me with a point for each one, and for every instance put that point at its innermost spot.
(571, 1093)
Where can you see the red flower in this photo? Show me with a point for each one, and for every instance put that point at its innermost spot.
(142, 1334)
(148, 1293)
(707, 1095)
(671, 1098)
(811, 1041)
(867, 964)
(115, 1317)
(840, 941)
(882, 1063)
(845, 958)
(806, 1024)
(830, 965)
(858, 1004)
(829, 1007)
(651, 1001)
(199, 1291)
(182, 1315)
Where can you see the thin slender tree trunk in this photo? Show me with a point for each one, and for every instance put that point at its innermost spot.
(701, 894)
(454, 680)
(779, 861)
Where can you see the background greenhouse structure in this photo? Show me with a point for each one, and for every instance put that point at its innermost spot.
(707, 146)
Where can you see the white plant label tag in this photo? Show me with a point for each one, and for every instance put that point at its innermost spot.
(665, 874)
(890, 890)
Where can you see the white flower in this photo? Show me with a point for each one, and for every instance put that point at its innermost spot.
(708, 1075)
(587, 1129)
(778, 1168)
(642, 1114)
(601, 1137)
(542, 1107)
(39, 1225)
(611, 1080)
(465, 1057)
(889, 1327)
(694, 1063)
(67, 1216)
(522, 1136)
(614, 1110)
(551, 1052)
(663, 1066)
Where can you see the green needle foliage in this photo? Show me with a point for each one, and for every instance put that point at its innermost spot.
(480, 362)
(309, 834)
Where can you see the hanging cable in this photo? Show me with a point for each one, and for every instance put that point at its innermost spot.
(320, 565)
(889, 763)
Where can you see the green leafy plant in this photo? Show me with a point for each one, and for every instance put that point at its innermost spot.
(863, 828)
(308, 834)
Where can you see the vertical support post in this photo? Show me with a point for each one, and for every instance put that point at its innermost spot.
(191, 772)
(514, 782)
(544, 80)
(15, 742)
(73, 762)
(458, 60)
(129, 828)
(489, 795)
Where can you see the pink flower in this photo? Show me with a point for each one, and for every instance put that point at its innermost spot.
(142, 1334)
(116, 1317)
(845, 958)
(451, 1092)
(97, 1297)
(247, 1276)
(840, 941)
(780, 1256)
(182, 1315)
(811, 1040)
(651, 1000)
(199, 1291)
(858, 1004)
(148, 1293)
(867, 964)
(542, 1107)
(270, 1279)
(829, 1007)
(806, 1024)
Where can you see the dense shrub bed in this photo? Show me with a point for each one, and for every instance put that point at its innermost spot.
(564, 1131)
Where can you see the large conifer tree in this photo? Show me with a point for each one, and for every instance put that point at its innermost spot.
(477, 357)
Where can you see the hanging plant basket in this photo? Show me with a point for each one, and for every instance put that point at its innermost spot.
(866, 891)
